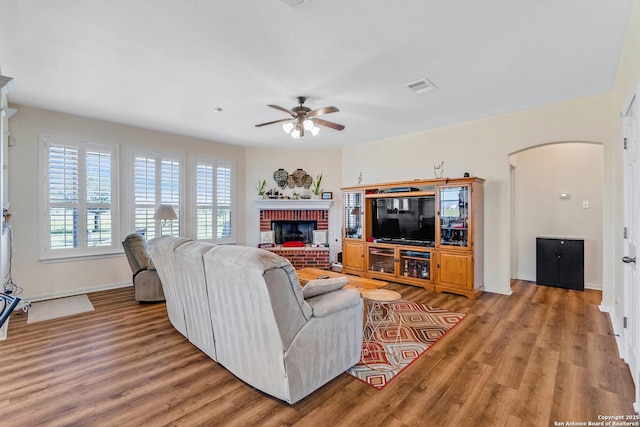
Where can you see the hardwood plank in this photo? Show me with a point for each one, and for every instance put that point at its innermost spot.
(537, 356)
(538, 383)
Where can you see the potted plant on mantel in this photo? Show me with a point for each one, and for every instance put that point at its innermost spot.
(316, 188)
(260, 187)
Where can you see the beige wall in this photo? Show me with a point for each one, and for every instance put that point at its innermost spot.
(541, 174)
(482, 148)
(41, 280)
(263, 162)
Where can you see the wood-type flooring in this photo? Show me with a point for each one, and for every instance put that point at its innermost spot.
(540, 357)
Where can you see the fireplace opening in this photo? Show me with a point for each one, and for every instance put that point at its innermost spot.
(289, 231)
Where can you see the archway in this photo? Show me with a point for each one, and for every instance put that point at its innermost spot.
(557, 190)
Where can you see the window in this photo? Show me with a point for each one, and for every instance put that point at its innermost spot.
(80, 194)
(213, 180)
(157, 179)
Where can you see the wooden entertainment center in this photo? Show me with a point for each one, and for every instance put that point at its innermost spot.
(424, 233)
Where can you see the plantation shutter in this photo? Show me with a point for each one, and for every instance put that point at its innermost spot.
(170, 193)
(144, 195)
(204, 200)
(156, 180)
(79, 191)
(99, 193)
(64, 186)
(223, 199)
(213, 200)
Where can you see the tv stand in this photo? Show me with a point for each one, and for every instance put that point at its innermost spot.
(378, 217)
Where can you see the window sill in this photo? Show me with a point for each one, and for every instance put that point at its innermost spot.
(71, 258)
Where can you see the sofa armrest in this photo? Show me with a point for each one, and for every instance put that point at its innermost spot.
(142, 270)
(329, 344)
(316, 287)
(333, 302)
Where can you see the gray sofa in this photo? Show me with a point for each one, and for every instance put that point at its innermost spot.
(244, 308)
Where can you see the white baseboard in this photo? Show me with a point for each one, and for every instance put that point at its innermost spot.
(501, 291)
(594, 286)
(605, 308)
(80, 291)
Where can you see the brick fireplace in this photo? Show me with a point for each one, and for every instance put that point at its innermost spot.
(297, 211)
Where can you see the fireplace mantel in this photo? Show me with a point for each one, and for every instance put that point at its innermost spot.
(291, 204)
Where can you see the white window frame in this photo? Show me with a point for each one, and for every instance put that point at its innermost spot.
(174, 227)
(196, 203)
(83, 248)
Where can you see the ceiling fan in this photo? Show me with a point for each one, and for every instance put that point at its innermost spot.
(304, 118)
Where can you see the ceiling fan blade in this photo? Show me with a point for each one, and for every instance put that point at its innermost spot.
(328, 124)
(273, 122)
(320, 111)
(286, 110)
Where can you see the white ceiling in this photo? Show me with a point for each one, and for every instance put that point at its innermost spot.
(168, 64)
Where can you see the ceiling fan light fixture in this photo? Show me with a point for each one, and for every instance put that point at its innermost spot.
(308, 124)
(303, 119)
(288, 127)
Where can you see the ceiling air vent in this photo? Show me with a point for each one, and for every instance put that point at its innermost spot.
(295, 4)
(422, 86)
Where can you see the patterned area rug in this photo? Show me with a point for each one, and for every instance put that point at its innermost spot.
(421, 327)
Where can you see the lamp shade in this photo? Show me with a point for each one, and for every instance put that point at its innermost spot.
(165, 212)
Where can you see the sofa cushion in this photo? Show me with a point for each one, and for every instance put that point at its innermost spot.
(322, 286)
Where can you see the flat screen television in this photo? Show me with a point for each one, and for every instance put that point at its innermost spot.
(408, 220)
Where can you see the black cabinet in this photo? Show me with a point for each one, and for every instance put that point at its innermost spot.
(560, 262)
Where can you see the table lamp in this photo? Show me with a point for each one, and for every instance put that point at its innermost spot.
(165, 213)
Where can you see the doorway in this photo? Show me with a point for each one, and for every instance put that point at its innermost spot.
(628, 295)
(557, 191)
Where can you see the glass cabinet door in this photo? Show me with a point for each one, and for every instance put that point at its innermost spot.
(382, 260)
(454, 216)
(415, 264)
(353, 215)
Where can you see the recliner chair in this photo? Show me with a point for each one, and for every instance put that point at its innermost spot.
(146, 283)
